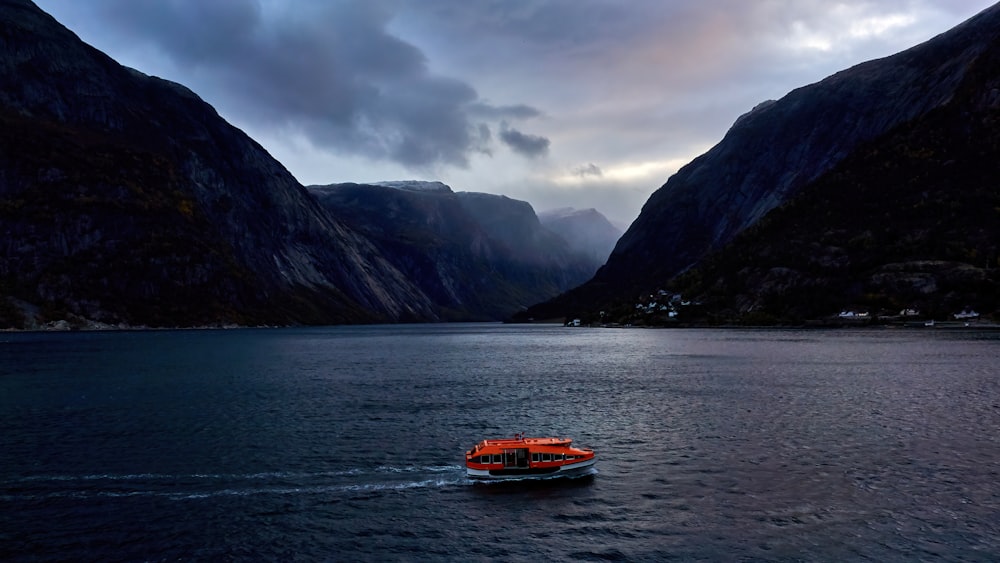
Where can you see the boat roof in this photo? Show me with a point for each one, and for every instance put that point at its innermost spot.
(519, 441)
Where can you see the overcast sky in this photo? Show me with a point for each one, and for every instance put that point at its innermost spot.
(563, 103)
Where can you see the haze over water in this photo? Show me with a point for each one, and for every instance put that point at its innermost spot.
(347, 443)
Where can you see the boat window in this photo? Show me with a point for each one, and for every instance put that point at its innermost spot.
(485, 459)
(536, 457)
(557, 457)
(546, 457)
(497, 458)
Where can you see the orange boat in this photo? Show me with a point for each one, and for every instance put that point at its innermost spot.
(520, 457)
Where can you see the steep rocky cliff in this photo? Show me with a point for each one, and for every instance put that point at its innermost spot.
(475, 256)
(126, 199)
(781, 149)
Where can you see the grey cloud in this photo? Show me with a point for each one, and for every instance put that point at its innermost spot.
(531, 146)
(659, 74)
(590, 169)
(519, 111)
(482, 139)
(553, 23)
(332, 71)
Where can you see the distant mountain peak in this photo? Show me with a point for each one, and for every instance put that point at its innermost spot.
(587, 231)
(477, 256)
(415, 185)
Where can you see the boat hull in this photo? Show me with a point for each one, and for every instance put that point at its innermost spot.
(515, 473)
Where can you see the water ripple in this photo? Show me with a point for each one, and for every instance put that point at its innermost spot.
(320, 444)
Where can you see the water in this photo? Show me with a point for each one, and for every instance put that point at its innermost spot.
(346, 444)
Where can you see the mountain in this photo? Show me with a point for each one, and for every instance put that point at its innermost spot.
(910, 221)
(823, 151)
(126, 199)
(587, 231)
(474, 256)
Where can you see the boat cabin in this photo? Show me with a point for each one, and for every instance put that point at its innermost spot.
(522, 456)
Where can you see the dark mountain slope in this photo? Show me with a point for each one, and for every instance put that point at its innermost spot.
(910, 221)
(537, 257)
(772, 153)
(513, 223)
(126, 199)
(468, 269)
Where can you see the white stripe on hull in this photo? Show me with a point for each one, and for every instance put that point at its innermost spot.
(563, 470)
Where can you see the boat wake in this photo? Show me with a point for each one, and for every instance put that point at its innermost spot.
(347, 483)
(193, 486)
(542, 480)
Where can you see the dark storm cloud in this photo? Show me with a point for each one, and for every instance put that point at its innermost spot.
(329, 70)
(531, 146)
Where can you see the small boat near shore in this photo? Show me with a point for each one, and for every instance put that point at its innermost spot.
(520, 457)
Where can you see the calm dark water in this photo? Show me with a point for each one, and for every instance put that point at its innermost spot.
(346, 444)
